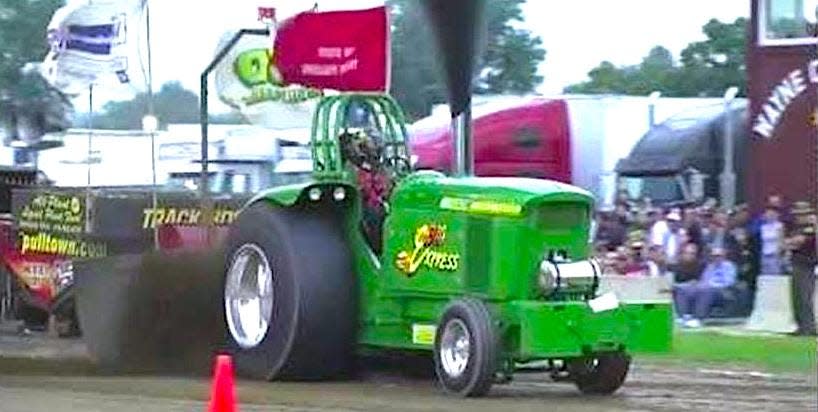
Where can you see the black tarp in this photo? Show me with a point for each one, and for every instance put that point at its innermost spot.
(692, 139)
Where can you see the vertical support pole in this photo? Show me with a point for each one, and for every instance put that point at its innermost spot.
(88, 159)
(728, 175)
(464, 144)
(154, 196)
(204, 194)
(652, 99)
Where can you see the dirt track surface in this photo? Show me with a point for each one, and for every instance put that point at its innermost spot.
(649, 388)
(39, 374)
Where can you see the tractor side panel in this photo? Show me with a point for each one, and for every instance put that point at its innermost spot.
(441, 253)
(426, 253)
(447, 254)
(651, 327)
(538, 330)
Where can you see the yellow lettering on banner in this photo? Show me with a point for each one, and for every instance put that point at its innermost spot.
(147, 216)
(159, 218)
(43, 243)
(194, 217)
(152, 218)
(171, 217)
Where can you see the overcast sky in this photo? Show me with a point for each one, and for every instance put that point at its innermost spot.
(577, 34)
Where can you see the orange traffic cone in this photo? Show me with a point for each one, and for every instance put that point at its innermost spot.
(223, 393)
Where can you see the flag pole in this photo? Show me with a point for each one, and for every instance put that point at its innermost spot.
(88, 159)
(151, 123)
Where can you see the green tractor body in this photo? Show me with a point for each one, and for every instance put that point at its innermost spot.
(519, 247)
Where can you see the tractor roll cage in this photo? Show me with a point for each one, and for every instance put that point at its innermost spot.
(331, 118)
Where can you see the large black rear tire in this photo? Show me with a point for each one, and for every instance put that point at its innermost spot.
(312, 325)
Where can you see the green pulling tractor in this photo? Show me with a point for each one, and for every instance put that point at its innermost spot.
(486, 273)
(489, 276)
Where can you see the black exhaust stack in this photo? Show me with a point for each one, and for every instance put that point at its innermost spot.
(459, 26)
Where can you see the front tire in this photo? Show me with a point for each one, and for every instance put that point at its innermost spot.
(466, 347)
(289, 295)
(602, 374)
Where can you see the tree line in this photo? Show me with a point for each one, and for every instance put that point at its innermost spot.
(509, 64)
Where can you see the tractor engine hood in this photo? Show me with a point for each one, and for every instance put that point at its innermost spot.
(492, 196)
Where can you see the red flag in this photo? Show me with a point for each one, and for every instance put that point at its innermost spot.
(340, 50)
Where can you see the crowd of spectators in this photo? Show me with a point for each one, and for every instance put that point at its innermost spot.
(707, 252)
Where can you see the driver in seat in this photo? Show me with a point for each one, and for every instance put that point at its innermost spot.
(366, 151)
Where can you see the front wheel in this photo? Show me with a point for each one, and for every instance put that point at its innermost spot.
(466, 348)
(602, 374)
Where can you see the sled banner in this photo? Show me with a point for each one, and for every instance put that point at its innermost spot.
(339, 50)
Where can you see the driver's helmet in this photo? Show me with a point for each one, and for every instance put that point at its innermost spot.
(362, 148)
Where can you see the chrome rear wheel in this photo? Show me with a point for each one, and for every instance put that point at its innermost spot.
(249, 296)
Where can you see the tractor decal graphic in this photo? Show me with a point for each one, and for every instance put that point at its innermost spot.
(427, 239)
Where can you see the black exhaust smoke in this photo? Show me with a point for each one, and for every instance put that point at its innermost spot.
(152, 312)
(459, 26)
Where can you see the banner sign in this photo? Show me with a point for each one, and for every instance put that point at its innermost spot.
(339, 50)
(54, 224)
(314, 53)
(95, 43)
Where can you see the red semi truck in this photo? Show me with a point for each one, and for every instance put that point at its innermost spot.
(575, 139)
(531, 138)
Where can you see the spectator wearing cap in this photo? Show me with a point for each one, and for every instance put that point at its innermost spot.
(802, 244)
(659, 229)
(636, 263)
(675, 237)
(695, 301)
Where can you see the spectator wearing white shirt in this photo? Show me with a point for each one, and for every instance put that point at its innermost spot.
(659, 230)
(673, 238)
